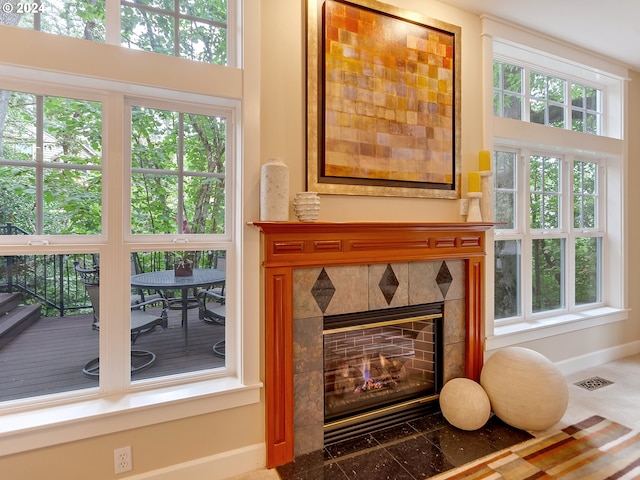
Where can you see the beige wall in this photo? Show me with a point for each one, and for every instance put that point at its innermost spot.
(153, 447)
(282, 135)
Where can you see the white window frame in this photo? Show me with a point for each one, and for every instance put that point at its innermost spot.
(113, 34)
(526, 98)
(116, 404)
(523, 233)
(511, 44)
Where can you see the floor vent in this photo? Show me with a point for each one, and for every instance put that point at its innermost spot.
(593, 383)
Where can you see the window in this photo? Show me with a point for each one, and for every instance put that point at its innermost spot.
(508, 90)
(541, 258)
(177, 171)
(559, 158)
(197, 30)
(50, 163)
(134, 173)
(51, 179)
(552, 100)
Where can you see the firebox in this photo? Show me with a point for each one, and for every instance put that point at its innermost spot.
(380, 367)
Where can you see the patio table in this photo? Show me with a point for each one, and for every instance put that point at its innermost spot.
(167, 280)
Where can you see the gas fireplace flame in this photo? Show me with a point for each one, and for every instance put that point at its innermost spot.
(371, 382)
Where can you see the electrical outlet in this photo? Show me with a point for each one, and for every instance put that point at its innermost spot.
(122, 459)
(464, 206)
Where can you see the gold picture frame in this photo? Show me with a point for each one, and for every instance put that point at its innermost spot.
(383, 101)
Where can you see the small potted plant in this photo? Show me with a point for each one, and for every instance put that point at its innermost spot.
(183, 266)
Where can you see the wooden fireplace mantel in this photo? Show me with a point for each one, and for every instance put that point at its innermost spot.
(290, 245)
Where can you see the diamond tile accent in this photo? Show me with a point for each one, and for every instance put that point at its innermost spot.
(389, 284)
(444, 279)
(323, 290)
(593, 383)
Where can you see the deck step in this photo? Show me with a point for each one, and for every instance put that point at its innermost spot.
(15, 322)
(8, 301)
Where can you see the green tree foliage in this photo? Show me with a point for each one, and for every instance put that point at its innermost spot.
(200, 26)
(157, 201)
(71, 138)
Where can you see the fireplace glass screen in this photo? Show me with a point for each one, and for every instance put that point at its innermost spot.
(376, 359)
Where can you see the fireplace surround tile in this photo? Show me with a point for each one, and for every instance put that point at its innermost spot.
(351, 293)
(309, 394)
(455, 324)
(454, 359)
(422, 283)
(457, 289)
(304, 305)
(378, 277)
(308, 385)
(307, 345)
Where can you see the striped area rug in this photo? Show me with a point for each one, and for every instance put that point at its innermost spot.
(594, 449)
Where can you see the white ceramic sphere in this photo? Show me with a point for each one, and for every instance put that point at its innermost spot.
(526, 389)
(465, 404)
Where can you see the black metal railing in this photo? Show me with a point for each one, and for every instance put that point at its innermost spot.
(48, 279)
(53, 280)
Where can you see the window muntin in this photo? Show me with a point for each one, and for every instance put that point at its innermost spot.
(508, 276)
(548, 274)
(508, 94)
(50, 164)
(585, 195)
(545, 187)
(506, 190)
(552, 100)
(588, 270)
(193, 31)
(586, 109)
(178, 172)
(547, 100)
(558, 259)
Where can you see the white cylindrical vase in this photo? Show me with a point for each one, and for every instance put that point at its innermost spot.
(274, 191)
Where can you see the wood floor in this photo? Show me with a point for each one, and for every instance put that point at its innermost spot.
(48, 357)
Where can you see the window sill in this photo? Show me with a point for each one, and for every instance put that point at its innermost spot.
(525, 331)
(28, 430)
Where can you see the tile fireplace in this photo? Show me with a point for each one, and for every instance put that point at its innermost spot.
(320, 279)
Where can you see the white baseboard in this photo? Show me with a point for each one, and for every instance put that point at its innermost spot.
(214, 467)
(599, 357)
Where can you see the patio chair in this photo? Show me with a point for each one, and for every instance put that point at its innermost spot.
(140, 296)
(142, 321)
(220, 263)
(212, 309)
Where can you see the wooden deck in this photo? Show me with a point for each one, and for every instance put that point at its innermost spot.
(47, 357)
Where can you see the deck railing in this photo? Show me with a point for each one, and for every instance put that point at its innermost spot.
(53, 281)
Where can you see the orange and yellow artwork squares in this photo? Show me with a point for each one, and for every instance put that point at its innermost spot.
(399, 74)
